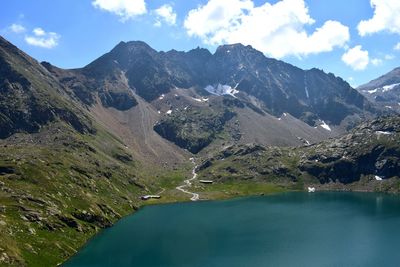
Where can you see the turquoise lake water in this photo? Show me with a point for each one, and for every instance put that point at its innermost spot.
(290, 229)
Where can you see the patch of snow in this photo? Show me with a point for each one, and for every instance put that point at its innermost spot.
(389, 107)
(306, 89)
(221, 90)
(116, 62)
(378, 178)
(383, 133)
(176, 95)
(200, 99)
(228, 51)
(158, 111)
(285, 114)
(186, 108)
(389, 87)
(305, 86)
(373, 91)
(325, 126)
(383, 89)
(169, 112)
(311, 189)
(161, 97)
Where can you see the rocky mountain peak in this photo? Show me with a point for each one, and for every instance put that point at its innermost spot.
(274, 86)
(384, 90)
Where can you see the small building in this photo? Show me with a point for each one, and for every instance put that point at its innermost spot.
(206, 181)
(147, 197)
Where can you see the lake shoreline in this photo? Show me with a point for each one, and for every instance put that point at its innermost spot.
(254, 203)
(162, 202)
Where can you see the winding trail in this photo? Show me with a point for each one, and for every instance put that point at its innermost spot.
(188, 183)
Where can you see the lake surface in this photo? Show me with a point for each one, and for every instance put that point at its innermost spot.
(291, 229)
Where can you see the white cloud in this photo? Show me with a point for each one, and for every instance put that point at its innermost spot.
(376, 61)
(126, 9)
(389, 57)
(397, 47)
(39, 32)
(42, 38)
(277, 29)
(385, 18)
(17, 28)
(165, 13)
(356, 58)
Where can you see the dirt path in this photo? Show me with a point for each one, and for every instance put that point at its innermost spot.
(188, 183)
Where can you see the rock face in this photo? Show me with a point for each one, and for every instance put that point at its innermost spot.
(63, 175)
(28, 102)
(113, 91)
(384, 90)
(193, 129)
(370, 150)
(134, 70)
(274, 86)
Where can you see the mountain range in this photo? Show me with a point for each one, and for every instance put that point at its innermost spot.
(384, 91)
(257, 92)
(78, 147)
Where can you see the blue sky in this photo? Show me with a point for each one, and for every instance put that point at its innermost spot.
(355, 39)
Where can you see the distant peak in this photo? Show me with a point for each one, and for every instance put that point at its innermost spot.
(132, 45)
(233, 47)
(137, 43)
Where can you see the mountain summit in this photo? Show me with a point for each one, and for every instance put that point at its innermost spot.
(384, 90)
(236, 74)
(275, 86)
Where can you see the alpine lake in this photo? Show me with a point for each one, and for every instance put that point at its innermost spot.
(286, 229)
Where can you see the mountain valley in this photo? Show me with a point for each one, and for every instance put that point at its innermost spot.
(79, 147)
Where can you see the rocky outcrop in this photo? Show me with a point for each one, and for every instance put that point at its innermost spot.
(28, 102)
(118, 100)
(384, 90)
(370, 150)
(193, 129)
(96, 219)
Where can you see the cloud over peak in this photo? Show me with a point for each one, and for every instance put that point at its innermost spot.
(356, 58)
(125, 9)
(386, 18)
(165, 13)
(278, 29)
(41, 38)
(17, 28)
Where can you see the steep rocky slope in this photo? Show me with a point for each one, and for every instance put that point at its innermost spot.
(255, 88)
(273, 85)
(367, 158)
(30, 97)
(384, 90)
(63, 175)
